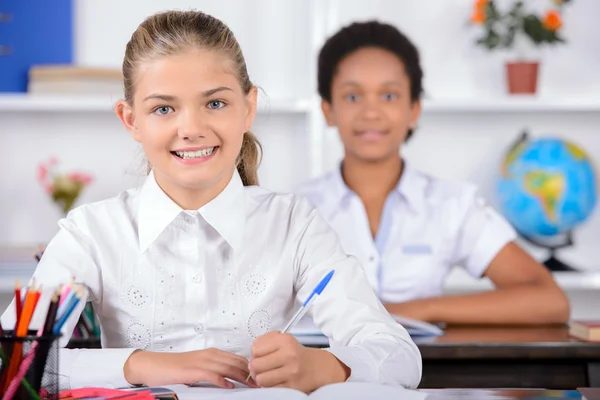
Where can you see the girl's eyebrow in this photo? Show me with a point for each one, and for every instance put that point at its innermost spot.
(210, 92)
(165, 97)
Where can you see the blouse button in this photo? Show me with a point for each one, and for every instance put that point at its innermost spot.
(188, 219)
(197, 277)
(199, 328)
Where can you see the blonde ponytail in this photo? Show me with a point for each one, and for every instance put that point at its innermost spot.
(249, 159)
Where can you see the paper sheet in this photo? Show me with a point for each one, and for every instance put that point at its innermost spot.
(308, 334)
(346, 391)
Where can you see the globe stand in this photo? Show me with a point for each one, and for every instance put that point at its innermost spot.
(552, 263)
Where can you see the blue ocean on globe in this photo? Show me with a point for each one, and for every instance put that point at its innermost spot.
(547, 186)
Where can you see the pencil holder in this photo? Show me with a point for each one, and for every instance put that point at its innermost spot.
(29, 367)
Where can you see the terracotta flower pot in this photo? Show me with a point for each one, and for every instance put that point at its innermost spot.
(522, 77)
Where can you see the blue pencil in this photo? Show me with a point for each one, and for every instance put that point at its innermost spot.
(65, 303)
(63, 318)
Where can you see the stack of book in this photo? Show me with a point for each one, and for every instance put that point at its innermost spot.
(74, 80)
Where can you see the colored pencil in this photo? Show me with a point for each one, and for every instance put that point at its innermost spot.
(65, 291)
(51, 316)
(21, 330)
(18, 301)
(67, 313)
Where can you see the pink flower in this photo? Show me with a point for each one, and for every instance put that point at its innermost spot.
(42, 173)
(48, 188)
(80, 177)
(74, 176)
(87, 179)
(53, 161)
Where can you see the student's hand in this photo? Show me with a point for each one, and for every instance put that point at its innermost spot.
(279, 360)
(210, 365)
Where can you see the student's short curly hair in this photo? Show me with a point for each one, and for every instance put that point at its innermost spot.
(368, 34)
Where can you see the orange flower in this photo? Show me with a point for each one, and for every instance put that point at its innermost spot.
(553, 20)
(478, 17)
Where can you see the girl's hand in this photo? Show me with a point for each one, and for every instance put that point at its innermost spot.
(210, 365)
(279, 360)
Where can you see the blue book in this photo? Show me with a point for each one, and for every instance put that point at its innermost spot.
(33, 32)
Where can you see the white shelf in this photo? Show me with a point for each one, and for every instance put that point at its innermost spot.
(105, 104)
(511, 104)
(460, 281)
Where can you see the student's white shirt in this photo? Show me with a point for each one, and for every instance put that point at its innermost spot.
(164, 279)
(427, 226)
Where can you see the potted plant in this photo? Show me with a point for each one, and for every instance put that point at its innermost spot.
(506, 29)
(63, 188)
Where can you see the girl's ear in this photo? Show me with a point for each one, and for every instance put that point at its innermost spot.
(251, 101)
(328, 113)
(125, 113)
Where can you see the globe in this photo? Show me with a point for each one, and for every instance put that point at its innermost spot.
(547, 186)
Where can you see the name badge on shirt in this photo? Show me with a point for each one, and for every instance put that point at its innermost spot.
(422, 249)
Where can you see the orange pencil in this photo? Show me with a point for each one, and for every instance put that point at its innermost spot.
(20, 331)
(38, 294)
(28, 308)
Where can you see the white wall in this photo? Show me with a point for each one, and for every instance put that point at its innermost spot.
(454, 67)
(273, 35)
(280, 40)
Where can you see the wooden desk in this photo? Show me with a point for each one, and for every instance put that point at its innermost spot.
(509, 357)
(502, 394)
(503, 357)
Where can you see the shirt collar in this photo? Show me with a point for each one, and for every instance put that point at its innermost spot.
(225, 213)
(411, 186)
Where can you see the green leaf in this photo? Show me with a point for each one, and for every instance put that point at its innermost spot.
(533, 27)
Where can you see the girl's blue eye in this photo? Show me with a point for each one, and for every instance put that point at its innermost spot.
(351, 97)
(390, 96)
(164, 110)
(216, 104)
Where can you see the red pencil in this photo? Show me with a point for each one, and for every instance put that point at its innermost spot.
(4, 348)
(18, 302)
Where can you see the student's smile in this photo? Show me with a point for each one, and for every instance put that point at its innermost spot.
(194, 155)
(371, 135)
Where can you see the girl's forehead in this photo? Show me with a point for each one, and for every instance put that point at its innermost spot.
(197, 68)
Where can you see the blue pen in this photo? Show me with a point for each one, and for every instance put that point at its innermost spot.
(316, 291)
(300, 313)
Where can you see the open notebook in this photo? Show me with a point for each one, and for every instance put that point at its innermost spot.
(308, 334)
(348, 390)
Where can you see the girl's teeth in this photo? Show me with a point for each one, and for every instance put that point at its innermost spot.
(195, 154)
